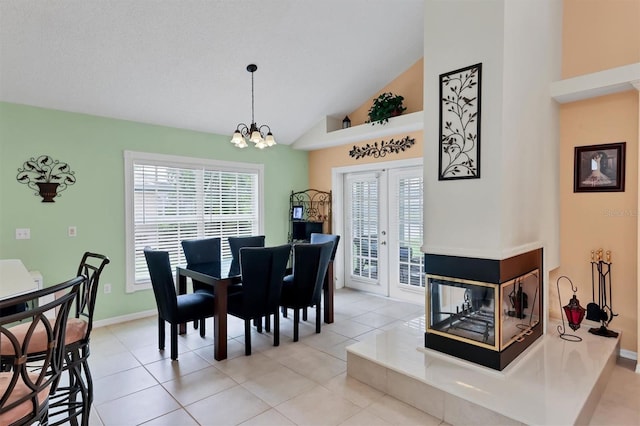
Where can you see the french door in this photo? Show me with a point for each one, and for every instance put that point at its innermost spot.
(383, 225)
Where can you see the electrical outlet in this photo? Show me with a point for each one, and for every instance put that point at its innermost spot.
(23, 233)
(73, 231)
(107, 288)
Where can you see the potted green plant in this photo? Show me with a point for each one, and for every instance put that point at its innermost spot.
(386, 105)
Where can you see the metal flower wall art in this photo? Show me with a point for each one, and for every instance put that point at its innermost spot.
(46, 176)
(377, 151)
(460, 123)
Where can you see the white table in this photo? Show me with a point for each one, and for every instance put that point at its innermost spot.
(14, 278)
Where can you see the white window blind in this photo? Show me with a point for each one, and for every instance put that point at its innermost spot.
(175, 200)
(364, 227)
(410, 210)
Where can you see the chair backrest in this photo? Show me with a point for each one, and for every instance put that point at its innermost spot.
(310, 264)
(25, 386)
(263, 269)
(91, 267)
(203, 255)
(316, 238)
(162, 282)
(235, 244)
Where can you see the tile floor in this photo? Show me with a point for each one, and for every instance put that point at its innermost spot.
(302, 383)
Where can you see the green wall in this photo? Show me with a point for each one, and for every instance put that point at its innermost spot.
(93, 147)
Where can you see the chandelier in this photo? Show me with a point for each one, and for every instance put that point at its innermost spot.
(253, 133)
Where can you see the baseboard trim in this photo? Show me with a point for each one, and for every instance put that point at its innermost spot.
(624, 353)
(124, 318)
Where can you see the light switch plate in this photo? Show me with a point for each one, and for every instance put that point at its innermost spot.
(23, 233)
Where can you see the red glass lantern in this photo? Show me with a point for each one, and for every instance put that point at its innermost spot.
(574, 312)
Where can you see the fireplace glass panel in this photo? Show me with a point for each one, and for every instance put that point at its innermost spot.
(464, 309)
(520, 307)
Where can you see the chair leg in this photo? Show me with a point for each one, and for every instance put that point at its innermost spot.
(88, 397)
(318, 319)
(195, 324)
(296, 321)
(160, 333)
(284, 312)
(247, 337)
(174, 341)
(202, 332)
(267, 323)
(276, 328)
(304, 314)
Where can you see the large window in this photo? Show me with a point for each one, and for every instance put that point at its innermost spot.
(170, 199)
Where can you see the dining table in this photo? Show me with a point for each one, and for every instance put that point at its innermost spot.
(220, 291)
(15, 279)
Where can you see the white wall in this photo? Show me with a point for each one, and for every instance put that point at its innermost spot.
(513, 207)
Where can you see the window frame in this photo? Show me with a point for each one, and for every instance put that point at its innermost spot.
(136, 157)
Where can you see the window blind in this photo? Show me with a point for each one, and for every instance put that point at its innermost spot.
(172, 203)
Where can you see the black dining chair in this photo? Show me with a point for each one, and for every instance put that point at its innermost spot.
(235, 244)
(316, 238)
(303, 288)
(25, 382)
(172, 308)
(203, 255)
(263, 269)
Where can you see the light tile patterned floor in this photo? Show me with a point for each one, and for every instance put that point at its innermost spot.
(302, 383)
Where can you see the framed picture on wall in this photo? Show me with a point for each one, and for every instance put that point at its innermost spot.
(599, 168)
(296, 212)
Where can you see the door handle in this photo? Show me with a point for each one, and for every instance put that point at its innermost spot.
(383, 243)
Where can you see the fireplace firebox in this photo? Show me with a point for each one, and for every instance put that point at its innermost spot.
(481, 310)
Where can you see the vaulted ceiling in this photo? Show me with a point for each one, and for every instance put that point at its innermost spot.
(182, 63)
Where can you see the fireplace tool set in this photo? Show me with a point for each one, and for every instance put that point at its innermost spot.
(603, 310)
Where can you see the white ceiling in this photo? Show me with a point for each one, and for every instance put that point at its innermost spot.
(182, 63)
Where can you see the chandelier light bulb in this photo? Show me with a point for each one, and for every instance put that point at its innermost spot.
(270, 140)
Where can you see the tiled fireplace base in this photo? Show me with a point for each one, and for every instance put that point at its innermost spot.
(554, 382)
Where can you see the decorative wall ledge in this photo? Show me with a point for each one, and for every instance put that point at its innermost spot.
(596, 84)
(328, 132)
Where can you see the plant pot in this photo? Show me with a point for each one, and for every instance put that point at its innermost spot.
(48, 191)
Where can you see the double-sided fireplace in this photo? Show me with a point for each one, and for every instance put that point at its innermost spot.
(482, 310)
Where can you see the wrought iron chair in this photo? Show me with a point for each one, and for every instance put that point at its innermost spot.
(65, 405)
(304, 287)
(25, 384)
(172, 308)
(262, 271)
(73, 401)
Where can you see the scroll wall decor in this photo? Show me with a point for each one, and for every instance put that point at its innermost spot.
(46, 176)
(460, 123)
(377, 151)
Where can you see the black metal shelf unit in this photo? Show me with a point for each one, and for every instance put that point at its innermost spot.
(309, 211)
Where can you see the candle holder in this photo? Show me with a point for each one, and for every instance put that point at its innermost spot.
(573, 311)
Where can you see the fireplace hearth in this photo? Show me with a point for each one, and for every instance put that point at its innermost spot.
(482, 310)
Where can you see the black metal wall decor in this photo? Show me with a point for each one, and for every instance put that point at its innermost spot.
(46, 176)
(459, 156)
(377, 151)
